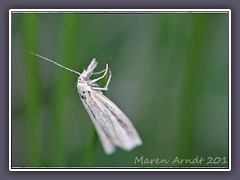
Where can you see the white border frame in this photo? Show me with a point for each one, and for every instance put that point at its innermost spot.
(120, 11)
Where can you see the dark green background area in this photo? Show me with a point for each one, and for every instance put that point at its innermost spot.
(170, 76)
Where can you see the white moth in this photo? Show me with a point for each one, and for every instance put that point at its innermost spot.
(112, 125)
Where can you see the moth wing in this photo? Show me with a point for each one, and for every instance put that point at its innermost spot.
(90, 106)
(115, 123)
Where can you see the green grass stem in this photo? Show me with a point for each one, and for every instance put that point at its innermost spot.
(67, 49)
(33, 95)
(93, 140)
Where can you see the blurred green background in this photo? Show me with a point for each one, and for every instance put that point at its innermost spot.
(170, 77)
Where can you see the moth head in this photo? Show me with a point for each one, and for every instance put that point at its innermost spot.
(81, 80)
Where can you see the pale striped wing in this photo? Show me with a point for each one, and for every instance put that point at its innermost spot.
(113, 126)
(108, 146)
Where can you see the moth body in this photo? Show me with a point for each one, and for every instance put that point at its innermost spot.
(112, 125)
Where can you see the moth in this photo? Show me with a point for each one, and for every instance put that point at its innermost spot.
(113, 127)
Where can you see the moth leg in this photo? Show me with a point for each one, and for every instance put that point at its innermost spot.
(95, 80)
(106, 87)
(95, 73)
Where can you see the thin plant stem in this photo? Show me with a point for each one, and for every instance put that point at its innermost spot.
(33, 95)
(91, 148)
(67, 48)
(191, 86)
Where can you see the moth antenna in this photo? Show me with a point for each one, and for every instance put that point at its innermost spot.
(56, 63)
